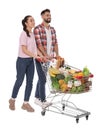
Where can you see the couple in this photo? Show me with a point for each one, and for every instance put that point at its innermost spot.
(39, 44)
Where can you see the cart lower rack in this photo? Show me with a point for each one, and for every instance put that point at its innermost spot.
(65, 107)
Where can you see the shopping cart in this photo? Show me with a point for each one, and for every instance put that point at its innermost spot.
(60, 100)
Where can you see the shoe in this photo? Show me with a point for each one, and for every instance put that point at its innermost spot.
(12, 104)
(26, 106)
(38, 102)
(46, 104)
(43, 104)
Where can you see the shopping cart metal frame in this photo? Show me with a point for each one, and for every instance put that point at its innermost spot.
(63, 106)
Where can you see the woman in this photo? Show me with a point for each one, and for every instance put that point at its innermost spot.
(25, 63)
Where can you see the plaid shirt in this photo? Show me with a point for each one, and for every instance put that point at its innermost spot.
(41, 39)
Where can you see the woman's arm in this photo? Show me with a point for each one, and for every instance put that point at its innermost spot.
(25, 50)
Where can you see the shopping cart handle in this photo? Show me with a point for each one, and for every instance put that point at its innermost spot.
(42, 59)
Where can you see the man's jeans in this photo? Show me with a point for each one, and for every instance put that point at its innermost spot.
(40, 88)
(24, 66)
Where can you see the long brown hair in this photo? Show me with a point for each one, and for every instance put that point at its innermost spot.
(24, 25)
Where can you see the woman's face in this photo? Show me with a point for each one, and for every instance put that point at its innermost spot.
(30, 23)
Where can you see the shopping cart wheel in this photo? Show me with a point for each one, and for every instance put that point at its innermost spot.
(63, 107)
(43, 113)
(77, 120)
(87, 116)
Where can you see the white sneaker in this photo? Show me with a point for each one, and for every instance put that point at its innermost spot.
(42, 104)
(38, 102)
(46, 104)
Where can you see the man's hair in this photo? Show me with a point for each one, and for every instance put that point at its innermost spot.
(46, 10)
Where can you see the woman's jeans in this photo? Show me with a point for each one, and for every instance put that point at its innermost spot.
(40, 88)
(24, 66)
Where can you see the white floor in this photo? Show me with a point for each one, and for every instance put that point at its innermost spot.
(79, 26)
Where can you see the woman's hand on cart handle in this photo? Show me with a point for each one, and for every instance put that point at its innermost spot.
(38, 58)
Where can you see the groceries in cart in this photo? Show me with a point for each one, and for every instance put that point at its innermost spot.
(68, 79)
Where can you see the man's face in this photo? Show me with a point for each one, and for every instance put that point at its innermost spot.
(46, 17)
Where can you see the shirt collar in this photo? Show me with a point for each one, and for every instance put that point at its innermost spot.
(42, 24)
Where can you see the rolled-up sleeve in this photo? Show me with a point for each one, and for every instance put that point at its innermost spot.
(37, 37)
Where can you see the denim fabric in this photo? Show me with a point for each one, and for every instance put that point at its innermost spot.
(40, 88)
(24, 66)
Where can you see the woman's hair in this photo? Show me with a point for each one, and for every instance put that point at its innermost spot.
(24, 25)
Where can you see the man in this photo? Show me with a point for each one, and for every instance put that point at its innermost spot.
(46, 41)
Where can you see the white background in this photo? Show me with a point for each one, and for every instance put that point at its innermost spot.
(79, 26)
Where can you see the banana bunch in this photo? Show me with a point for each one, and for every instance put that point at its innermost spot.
(53, 71)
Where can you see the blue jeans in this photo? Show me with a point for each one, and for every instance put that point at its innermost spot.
(40, 88)
(24, 66)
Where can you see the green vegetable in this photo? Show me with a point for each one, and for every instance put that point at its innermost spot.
(60, 76)
(68, 78)
(67, 68)
(86, 71)
(80, 88)
(73, 89)
(54, 79)
(55, 85)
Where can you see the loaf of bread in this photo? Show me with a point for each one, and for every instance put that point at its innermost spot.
(60, 62)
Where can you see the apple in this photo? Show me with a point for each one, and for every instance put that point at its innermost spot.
(91, 75)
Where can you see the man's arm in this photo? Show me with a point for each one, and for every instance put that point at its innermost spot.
(40, 47)
(39, 42)
(56, 49)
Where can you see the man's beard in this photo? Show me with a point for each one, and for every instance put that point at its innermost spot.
(47, 20)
